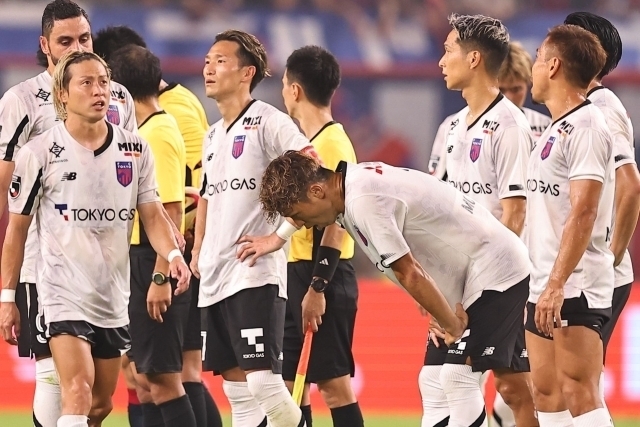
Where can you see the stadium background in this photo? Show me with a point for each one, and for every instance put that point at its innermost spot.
(391, 101)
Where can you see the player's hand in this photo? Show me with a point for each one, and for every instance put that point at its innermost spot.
(436, 331)
(314, 305)
(180, 270)
(158, 300)
(195, 256)
(10, 322)
(456, 332)
(548, 309)
(253, 247)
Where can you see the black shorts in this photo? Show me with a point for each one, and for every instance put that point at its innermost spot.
(193, 332)
(620, 297)
(574, 312)
(32, 341)
(494, 337)
(155, 347)
(246, 330)
(106, 343)
(331, 355)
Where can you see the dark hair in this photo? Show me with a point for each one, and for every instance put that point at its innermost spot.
(487, 35)
(317, 71)
(606, 33)
(250, 53)
(580, 51)
(286, 180)
(137, 69)
(110, 39)
(57, 10)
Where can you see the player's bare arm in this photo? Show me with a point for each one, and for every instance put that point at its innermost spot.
(424, 290)
(513, 213)
(584, 195)
(257, 246)
(180, 241)
(627, 207)
(201, 219)
(163, 241)
(12, 256)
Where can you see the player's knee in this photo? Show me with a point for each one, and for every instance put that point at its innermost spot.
(100, 410)
(456, 379)
(337, 392)
(78, 394)
(429, 382)
(578, 395)
(513, 389)
(263, 384)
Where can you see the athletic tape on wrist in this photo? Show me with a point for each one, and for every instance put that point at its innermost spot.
(8, 295)
(327, 260)
(173, 254)
(286, 230)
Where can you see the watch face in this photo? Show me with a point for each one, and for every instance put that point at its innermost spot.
(159, 278)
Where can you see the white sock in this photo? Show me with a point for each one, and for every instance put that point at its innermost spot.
(271, 393)
(73, 421)
(46, 397)
(555, 419)
(245, 410)
(502, 414)
(462, 388)
(435, 408)
(597, 418)
(601, 392)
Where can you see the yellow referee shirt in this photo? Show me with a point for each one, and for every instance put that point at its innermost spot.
(332, 145)
(188, 111)
(161, 132)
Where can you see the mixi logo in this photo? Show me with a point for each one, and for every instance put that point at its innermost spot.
(62, 208)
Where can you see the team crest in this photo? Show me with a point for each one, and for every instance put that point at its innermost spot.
(238, 146)
(16, 184)
(547, 148)
(113, 115)
(124, 173)
(474, 154)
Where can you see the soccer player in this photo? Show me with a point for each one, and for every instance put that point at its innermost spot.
(443, 247)
(245, 304)
(26, 110)
(627, 202)
(84, 225)
(488, 147)
(321, 283)
(570, 183)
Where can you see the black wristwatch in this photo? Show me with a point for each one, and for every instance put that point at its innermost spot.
(318, 284)
(159, 278)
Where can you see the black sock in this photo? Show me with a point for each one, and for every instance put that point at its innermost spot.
(213, 413)
(151, 415)
(178, 413)
(136, 417)
(306, 412)
(347, 416)
(195, 391)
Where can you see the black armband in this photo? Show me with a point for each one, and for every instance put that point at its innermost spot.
(327, 260)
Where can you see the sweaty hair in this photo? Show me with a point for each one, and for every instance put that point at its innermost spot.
(487, 35)
(110, 39)
(580, 53)
(286, 180)
(606, 33)
(138, 70)
(317, 71)
(251, 52)
(62, 77)
(517, 65)
(57, 10)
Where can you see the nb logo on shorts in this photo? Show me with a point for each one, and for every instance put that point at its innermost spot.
(524, 354)
(251, 335)
(488, 351)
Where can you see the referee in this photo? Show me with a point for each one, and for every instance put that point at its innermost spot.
(322, 286)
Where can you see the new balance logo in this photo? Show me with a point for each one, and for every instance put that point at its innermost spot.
(524, 353)
(488, 351)
(281, 356)
(69, 176)
(251, 335)
(324, 262)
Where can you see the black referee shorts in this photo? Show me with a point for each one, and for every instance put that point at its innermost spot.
(32, 341)
(331, 355)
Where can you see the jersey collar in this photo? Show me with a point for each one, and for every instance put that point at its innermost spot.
(342, 168)
(150, 115)
(573, 110)
(107, 142)
(493, 104)
(167, 88)
(595, 89)
(326, 125)
(242, 113)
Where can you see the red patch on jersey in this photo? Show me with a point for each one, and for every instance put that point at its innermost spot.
(124, 173)
(238, 146)
(113, 115)
(476, 144)
(547, 148)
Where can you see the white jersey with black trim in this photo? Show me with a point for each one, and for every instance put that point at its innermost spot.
(538, 122)
(26, 111)
(437, 161)
(84, 202)
(488, 159)
(233, 162)
(577, 146)
(390, 211)
(623, 154)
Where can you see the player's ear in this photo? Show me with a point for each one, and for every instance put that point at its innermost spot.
(44, 45)
(473, 58)
(553, 66)
(316, 190)
(296, 91)
(249, 72)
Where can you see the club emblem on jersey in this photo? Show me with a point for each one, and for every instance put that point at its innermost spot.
(474, 154)
(16, 184)
(238, 146)
(56, 150)
(113, 115)
(124, 172)
(546, 150)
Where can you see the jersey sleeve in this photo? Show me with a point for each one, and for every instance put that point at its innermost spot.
(15, 126)
(25, 190)
(203, 176)
(622, 133)
(281, 135)
(439, 150)
(511, 155)
(147, 186)
(381, 220)
(587, 153)
(130, 122)
(169, 164)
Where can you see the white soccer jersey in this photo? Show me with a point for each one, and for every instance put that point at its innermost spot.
(390, 211)
(233, 162)
(26, 110)
(623, 154)
(538, 122)
(577, 146)
(488, 159)
(84, 202)
(437, 161)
